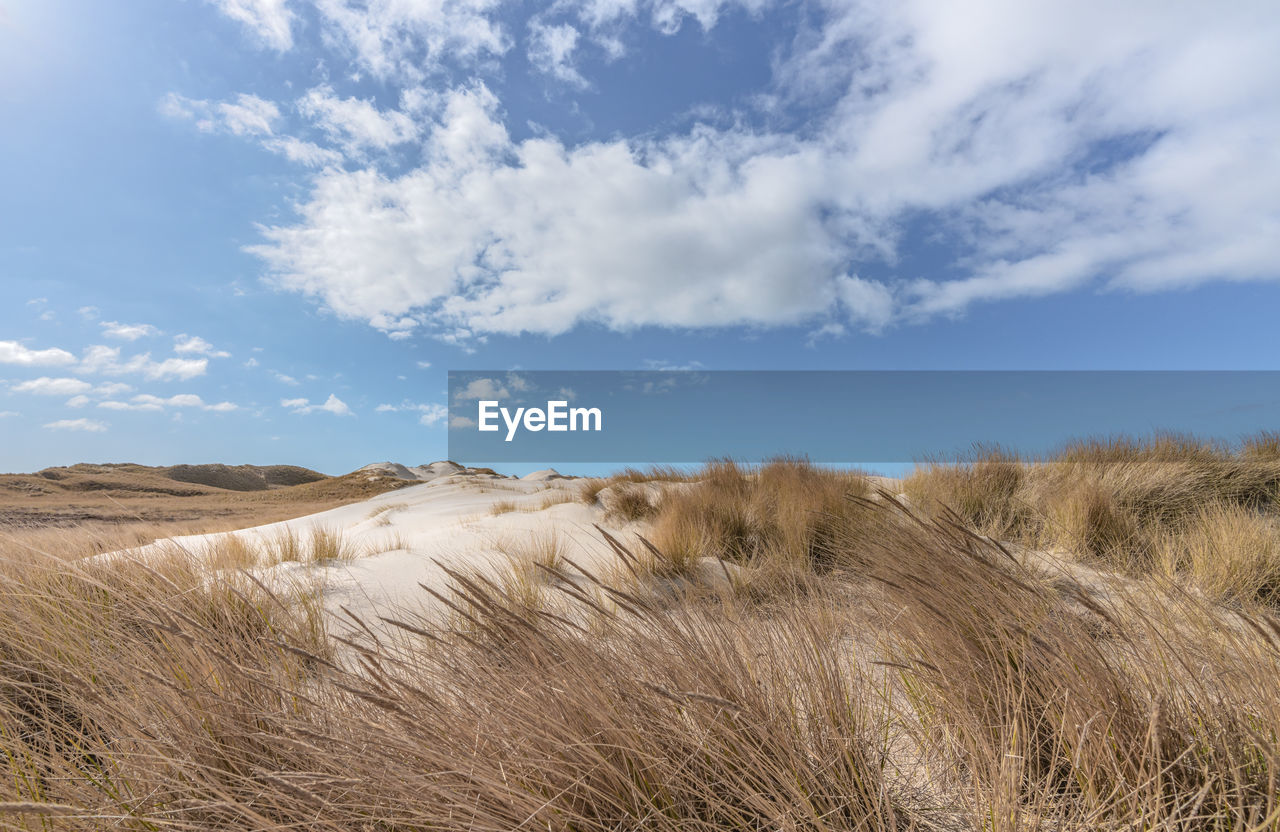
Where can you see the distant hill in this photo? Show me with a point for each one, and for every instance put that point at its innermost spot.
(243, 477)
(175, 480)
(209, 497)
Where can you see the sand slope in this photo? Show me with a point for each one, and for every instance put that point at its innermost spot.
(406, 535)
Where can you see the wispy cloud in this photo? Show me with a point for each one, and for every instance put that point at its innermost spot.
(428, 414)
(269, 21)
(85, 425)
(356, 124)
(148, 402)
(127, 332)
(551, 51)
(484, 388)
(332, 405)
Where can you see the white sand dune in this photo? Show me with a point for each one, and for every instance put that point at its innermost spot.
(405, 536)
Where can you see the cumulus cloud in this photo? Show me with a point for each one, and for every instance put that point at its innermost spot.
(112, 388)
(46, 386)
(333, 405)
(193, 344)
(270, 21)
(1052, 146)
(86, 425)
(104, 360)
(496, 236)
(12, 352)
(149, 402)
(127, 332)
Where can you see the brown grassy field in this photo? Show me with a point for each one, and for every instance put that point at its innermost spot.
(856, 661)
(87, 509)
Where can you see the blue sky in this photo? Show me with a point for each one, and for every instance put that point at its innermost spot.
(263, 230)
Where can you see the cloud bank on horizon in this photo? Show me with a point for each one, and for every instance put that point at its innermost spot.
(1046, 148)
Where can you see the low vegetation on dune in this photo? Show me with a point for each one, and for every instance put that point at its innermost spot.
(1176, 507)
(1052, 645)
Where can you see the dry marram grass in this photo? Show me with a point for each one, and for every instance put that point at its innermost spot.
(903, 671)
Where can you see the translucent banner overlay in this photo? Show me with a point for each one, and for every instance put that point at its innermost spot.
(837, 416)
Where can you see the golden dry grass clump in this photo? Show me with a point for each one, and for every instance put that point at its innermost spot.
(783, 515)
(1171, 504)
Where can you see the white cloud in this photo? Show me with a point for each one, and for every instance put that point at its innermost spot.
(433, 415)
(112, 388)
(118, 405)
(702, 230)
(284, 379)
(672, 366)
(6, 414)
(247, 115)
(89, 313)
(462, 422)
(332, 405)
(407, 40)
(483, 388)
(77, 401)
(107, 361)
(252, 362)
(270, 21)
(354, 123)
(45, 386)
(149, 402)
(429, 414)
(303, 152)
(11, 352)
(551, 51)
(127, 332)
(88, 425)
(423, 365)
(184, 343)
(1055, 146)
(665, 15)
